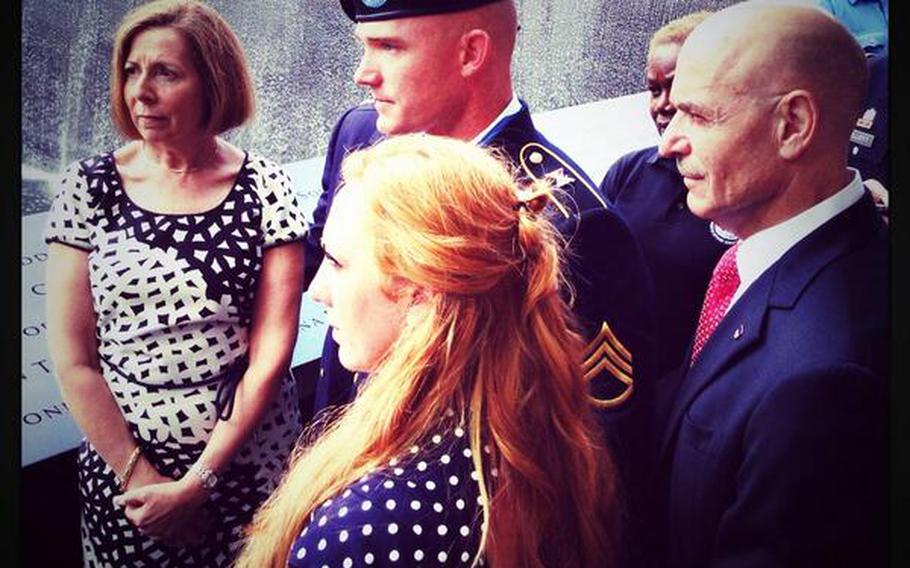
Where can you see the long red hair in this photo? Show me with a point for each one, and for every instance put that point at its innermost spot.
(494, 344)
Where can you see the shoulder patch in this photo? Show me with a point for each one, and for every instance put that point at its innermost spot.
(606, 359)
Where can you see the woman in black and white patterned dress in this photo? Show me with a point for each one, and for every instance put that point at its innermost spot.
(174, 283)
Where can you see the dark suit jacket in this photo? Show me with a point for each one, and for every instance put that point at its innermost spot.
(775, 450)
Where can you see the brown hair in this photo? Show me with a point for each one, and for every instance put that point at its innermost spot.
(492, 341)
(216, 52)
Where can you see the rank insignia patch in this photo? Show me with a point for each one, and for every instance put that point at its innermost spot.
(607, 365)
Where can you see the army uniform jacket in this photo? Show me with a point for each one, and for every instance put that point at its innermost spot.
(614, 295)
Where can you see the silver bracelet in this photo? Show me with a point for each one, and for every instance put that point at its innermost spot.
(205, 474)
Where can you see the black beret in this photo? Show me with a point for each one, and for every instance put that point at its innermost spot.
(377, 10)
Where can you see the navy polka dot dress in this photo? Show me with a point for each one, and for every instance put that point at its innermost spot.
(422, 509)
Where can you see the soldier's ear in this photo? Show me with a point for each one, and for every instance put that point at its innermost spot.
(474, 51)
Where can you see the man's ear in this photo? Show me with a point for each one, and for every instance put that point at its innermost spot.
(797, 116)
(474, 51)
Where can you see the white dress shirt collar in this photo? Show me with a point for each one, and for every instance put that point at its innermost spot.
(758, 252)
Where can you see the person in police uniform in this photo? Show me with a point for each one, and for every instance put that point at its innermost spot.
(869, 139)
(443, 67)
(680, 249)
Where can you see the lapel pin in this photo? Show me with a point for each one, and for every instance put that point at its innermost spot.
(739, 331)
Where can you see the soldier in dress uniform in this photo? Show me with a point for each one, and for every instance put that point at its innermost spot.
(444, 67)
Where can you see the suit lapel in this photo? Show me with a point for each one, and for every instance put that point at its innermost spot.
(740, 329)
(778, 288)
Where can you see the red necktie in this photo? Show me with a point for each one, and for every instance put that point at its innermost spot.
(723, 285)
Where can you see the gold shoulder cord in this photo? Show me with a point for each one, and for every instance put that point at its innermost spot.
(605, 352)
(578, 177)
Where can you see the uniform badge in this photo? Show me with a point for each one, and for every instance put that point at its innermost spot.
(721, 235)
(867, 119)
(862, 138)
(606, 353)
(559, 177)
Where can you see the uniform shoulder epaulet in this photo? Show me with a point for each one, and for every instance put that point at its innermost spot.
(537, 161)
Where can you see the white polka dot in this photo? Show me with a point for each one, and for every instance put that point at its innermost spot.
(327, 503)
(442, 556)
(347, 563)
(393, 462)
(343, 536)
(411, 484)
(347, 493)
(368, 558)
(445, 458)
(393, 555)
(480, 500)
(486, 448)
(305, 529)
(459, 504)
(388, 484)
(417, 529)
(342, 511)
(390, 504)
(398, 471)
(437, 507)
(459, 431)
(442, 530)
(453, 480)
(365, 487)
(437, 438)
(464, 530)
(367, 530)
(366, 505)
(301, 554)
(415, 504)
(418, 555)
(323, 520)
(465, 556)
(494, 472)
(393, 528)
(431, 485)
(466, 452)
(474, 475)
(415, 449)
(321, 545)
(421, 466)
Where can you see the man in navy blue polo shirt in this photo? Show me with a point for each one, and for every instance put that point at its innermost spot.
(680, 249)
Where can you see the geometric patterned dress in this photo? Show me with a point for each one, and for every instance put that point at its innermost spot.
(173, 295)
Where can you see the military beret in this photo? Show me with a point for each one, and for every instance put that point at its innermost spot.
(377, 10)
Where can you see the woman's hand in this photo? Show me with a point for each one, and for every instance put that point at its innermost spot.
(169, 511)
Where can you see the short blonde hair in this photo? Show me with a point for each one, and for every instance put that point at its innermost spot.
(676, 31)
(217, 55)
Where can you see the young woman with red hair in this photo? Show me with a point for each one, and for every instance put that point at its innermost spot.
(471, 440)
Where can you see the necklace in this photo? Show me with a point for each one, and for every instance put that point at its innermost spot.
(201, 165)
